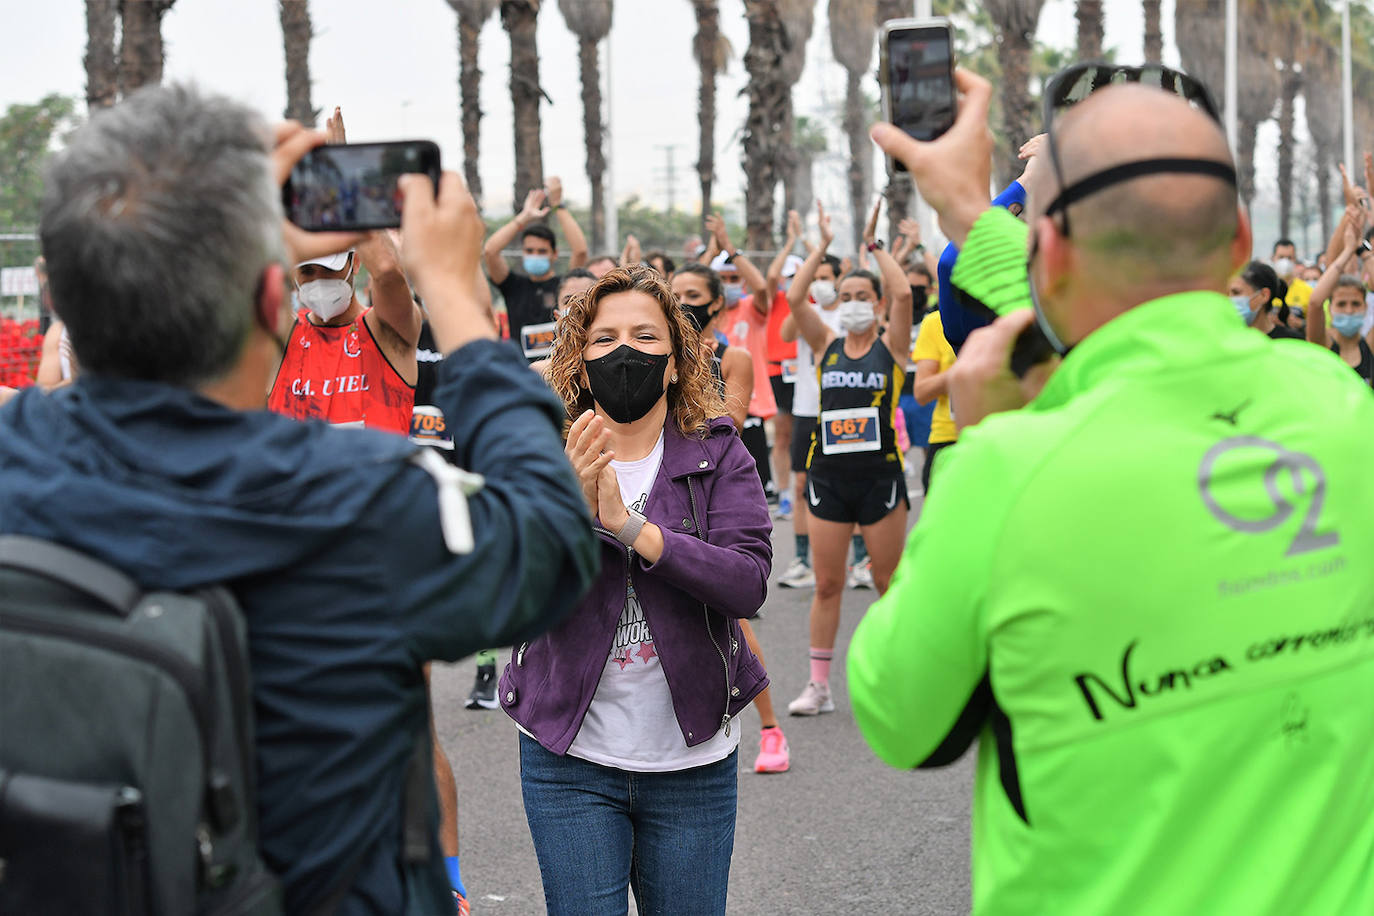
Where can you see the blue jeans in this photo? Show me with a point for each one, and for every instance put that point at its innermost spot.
(599, 831)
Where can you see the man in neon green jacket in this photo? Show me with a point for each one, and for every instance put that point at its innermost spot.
(1149, 591)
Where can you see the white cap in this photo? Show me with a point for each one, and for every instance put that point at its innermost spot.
(789, 266)
(721, 266)
(330, 261)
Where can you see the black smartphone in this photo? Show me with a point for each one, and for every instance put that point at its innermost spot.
(916, 72)
(352, 186)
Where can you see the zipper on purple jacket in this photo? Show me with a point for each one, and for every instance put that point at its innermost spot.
(706, 613)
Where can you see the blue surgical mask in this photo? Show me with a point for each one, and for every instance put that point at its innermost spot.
(1242, 304)
(733, 294)
(536, 265)
(1347, 325)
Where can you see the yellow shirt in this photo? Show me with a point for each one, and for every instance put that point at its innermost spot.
(931, 344)
(1299, 293)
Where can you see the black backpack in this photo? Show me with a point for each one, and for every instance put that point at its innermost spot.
(126, 745)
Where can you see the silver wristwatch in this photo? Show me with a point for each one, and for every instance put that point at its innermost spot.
(630, 530)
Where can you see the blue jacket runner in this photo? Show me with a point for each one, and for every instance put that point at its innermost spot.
(331, 540)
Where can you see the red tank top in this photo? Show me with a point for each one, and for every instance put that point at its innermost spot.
(340, 375)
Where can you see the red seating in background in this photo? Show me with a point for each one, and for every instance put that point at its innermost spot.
(20, 345)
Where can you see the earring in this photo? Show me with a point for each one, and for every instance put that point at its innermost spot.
(674, 380)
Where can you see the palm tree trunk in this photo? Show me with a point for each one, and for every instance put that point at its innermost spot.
(518, 17)
(102, 69)
(1324, 167)
(296, 35)
(860, 156)
(763, 127)
(469, 93)
(801, 194)
(1018, 111)
(1291, 84)
(140, 51)
(594, 133)
(1089, 15)
(1245, 160)
(898, 192)
(1154, 37)
(704, 46)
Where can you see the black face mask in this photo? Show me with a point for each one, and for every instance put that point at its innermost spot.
(700, 314)
(626, 382)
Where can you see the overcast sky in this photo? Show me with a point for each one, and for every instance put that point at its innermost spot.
(393, 66)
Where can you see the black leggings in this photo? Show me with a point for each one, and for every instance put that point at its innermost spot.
(756, 440)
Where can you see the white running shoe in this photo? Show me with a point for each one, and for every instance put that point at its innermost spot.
(861, 575)
(798, 575)
(814, 700)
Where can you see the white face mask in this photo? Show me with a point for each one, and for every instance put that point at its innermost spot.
(1283, 266)
(823, 291)
(327, 299)
(856, 316)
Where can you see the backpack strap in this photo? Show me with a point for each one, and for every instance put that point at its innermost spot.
(75, 570)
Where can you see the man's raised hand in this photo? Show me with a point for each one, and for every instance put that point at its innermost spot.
(953, 171)
(553, 191)
(535, 207)
(823, 225)
(334, 127)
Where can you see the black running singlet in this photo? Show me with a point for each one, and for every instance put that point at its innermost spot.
(856, 429)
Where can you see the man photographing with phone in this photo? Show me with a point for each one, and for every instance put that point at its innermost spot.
(1145, 589)
(348, 550)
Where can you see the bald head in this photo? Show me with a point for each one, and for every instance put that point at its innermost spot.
(1170, 227)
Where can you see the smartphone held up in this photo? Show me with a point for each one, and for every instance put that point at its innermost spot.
(916, 72)
(353, 186)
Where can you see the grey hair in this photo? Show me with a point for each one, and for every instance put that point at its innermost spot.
(158, 221)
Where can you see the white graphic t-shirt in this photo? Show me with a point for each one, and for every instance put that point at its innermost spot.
(806, 397)
(631, 724)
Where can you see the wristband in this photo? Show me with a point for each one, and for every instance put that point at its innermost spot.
(874, 246)
(630, 530)
(919, 249)
(555, 206)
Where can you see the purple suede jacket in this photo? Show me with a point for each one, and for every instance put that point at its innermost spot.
(692, 598)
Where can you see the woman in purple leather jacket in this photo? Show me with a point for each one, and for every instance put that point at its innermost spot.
(627, 710)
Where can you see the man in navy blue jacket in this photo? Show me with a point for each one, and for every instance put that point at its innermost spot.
(165, 245)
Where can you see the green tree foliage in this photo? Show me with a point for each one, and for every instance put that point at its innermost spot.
(27, 133)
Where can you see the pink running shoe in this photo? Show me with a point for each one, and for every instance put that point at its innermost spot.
(773, 756)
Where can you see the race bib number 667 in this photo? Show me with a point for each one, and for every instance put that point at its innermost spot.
(851, 430)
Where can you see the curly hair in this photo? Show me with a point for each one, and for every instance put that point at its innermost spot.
(693, 401)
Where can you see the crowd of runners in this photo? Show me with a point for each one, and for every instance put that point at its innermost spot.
(664, 409)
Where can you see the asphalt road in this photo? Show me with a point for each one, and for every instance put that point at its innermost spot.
(840, 832)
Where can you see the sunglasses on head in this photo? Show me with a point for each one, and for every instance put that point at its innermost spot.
(1073, 84)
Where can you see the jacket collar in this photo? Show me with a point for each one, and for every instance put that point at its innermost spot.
(1193, 328)
(685, 455)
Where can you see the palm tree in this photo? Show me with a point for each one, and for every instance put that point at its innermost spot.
(590, 20)
(1089, 16)
(774, 26)
(472, 15)
(1323, 114)
(799, 19)
(712, 51)
(851, 40)
(140, 50)
(808, 140)
(1015, 21)
(102, 68)
(1154, 37)
(898, 191)
(519, 18)
(296, 34)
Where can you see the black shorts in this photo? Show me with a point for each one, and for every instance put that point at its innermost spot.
(855, 500)
(932, 450)
(802, 428)
(782, 393)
